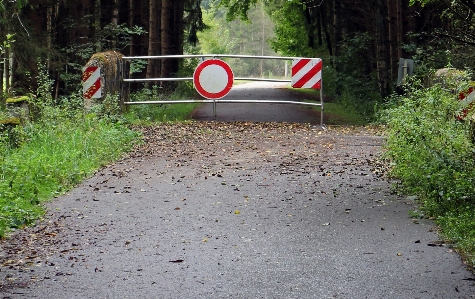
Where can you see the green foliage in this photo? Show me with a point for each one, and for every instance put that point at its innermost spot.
(249, 37)
(147, 114)
(433, 156)
(7, 43)
(350, 81)
(58, 150)
(289, 26)
(355, 86)
(459, 228)
(19, 4)
(422, 2)
(431, 151)
(237, 8)
(217, 39)
(431, 56)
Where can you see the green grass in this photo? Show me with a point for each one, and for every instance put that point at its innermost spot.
(334, 113)
(53, 156)
(338, 114)
(458, 228)
(148, 114)
(151, 113)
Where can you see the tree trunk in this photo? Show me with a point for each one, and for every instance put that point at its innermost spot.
(3, 33)
(7, 70)
(309, 27)
(131, 23)
(392, 34)
(319, 25)
(172, 37)
(97, 25)
(166, 37)
(337, 38)
(326, 31)
(153, 65)
(381, 40)
(115, 22)
(49, 31)
(263, 41)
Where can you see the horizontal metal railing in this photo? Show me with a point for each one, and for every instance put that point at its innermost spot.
(212, 56)
(235, 79)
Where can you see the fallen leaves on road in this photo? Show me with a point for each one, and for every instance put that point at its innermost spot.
(298, 150)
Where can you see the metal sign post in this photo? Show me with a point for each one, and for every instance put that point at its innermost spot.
(406, 68)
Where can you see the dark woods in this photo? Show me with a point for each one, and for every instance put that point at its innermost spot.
(362, 40)
(64, 34)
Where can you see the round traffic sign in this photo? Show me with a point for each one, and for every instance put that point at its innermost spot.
(213, 79)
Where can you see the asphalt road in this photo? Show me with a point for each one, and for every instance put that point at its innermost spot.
(236, 210)
(259, 112)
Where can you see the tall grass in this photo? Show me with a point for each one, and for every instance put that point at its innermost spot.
(54, 155)
(150, 113)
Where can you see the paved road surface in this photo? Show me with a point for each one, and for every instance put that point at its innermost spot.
(236, 210)
(259, 112)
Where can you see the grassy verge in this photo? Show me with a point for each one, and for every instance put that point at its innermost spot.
(432, 153)
(334, 113)
(53, 155)
(339, 115)
(148, 114)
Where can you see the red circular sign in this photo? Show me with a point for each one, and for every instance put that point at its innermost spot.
(213, 79)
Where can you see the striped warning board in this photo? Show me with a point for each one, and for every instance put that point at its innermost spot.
(467, 100)
(307, 73)
(91, 79)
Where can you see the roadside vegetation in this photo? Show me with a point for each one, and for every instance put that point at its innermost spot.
(150, 114)
(430, 145)
(51, 152)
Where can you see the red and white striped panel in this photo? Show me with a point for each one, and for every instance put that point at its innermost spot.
(307, 73)
(91, 79)
(467, 100)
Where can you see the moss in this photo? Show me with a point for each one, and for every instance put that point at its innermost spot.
(10, 121)
(111, 65)
(18, 99)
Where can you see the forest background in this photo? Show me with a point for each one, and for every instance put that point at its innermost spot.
(361, 42)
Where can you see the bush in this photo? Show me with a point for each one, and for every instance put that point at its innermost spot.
(431, 151)
(60, 148)
(433, 155)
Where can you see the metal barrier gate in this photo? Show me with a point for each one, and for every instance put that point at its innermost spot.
(306, 73)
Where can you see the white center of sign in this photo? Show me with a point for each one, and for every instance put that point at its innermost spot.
(213, 78)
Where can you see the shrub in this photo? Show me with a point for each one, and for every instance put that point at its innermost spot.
(60, 148)
(433, 155)
(431, 151)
